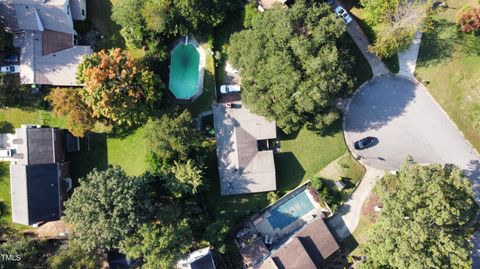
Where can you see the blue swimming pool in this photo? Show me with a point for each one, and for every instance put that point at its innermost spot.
(290, 211)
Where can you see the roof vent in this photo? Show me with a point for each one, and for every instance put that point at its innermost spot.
(26, 6)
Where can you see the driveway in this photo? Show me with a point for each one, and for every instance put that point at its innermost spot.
(345, 221)
(361, 40)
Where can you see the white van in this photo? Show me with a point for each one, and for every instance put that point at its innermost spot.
(229, 88)
(6, 153)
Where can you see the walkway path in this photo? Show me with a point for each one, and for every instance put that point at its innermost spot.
(361, 40)
(408, 59)
(345, 221)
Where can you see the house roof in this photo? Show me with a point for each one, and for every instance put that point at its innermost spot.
(198, 259)
(35, 193)
(58, 67)
(44, 32)
(308, 248)
(242, 167)
(293, 255)
(254, 253)
(39, 145)
(317, 237)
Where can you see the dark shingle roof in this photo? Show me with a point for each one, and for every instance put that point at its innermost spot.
(35, 193)
(40, 145)
(43, 193)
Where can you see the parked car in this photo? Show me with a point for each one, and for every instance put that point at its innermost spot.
(10, 69)
(341, 12)
(229, 88)
(6, 153)
(366, 142)
(12, 58)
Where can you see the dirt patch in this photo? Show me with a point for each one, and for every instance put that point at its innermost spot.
(368, 208)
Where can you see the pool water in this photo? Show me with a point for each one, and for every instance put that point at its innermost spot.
(184, 71)
(290, 211)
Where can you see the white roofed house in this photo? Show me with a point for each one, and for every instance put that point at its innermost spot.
(244, 150)
(43, 30)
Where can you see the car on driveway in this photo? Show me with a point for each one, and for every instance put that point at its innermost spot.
(10, 69)
(365, 143)
(341, 12)
(229, 88)
(12, 58)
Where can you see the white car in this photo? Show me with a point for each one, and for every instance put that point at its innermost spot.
(6, 153)
(10, 69)
(341, 12)
(229, 88)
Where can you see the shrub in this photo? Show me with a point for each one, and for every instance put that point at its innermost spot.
(469, 20)
(272, 197)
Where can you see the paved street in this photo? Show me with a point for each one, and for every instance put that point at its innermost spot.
(406, 121)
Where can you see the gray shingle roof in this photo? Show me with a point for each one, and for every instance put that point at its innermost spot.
(242, 167)
(35, 193)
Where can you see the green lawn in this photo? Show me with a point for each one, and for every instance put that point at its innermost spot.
(129, 152)
(343, 167)
(449, 65)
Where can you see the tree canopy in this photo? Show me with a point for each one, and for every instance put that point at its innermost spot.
(422, 224)
(162, 242)
(183, 178)
(72, 256)
(68, 102)
(117, 88)
(172, 136)
(24, 253)
(469, 20)
(395, 23)
(148, 23)
(106, 207)
(291, 69)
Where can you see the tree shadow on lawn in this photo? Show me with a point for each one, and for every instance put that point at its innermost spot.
(289, 171)
(438, 44)
(99, 13)
(93, 154)
(6, 127)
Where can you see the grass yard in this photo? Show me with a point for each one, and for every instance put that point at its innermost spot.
(129, 152)
(449, 65)
(346, 167)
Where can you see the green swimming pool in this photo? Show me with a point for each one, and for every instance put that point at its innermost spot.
(184, 71)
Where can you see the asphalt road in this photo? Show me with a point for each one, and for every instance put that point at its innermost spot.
(407, 121)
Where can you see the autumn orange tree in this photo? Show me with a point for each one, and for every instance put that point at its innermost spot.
(117, 88)
(67, 102)
(470, 20)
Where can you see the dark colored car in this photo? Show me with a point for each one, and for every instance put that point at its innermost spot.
(12, 58)
(366, 142)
